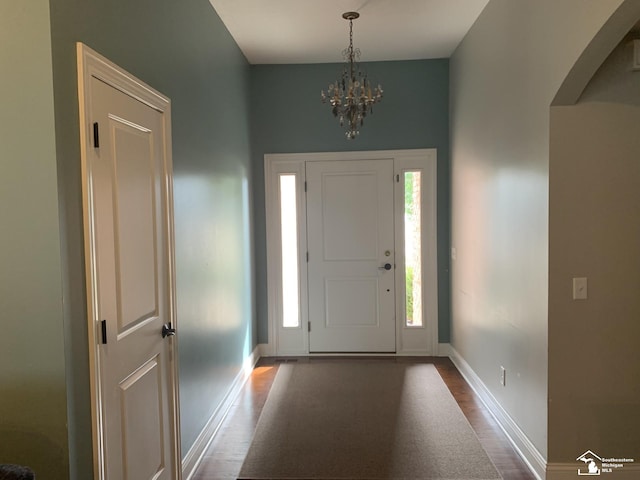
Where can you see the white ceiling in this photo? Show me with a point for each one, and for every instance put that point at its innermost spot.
(313, 31)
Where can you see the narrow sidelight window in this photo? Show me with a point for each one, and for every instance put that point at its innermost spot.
(289, 236)
(413, 248)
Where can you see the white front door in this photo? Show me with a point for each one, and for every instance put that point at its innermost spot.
(350, 228)
(128, 211)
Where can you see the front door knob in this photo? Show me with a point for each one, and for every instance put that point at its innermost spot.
(387, 266)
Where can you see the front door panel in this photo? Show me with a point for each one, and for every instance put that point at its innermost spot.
(351, 238)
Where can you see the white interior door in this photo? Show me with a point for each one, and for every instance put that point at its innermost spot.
(350, 226)
(129, 215)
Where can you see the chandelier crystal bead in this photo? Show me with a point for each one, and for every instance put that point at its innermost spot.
(352, 96)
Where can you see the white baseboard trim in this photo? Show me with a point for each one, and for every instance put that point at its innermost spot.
(414, 353)
(529, 453)
(569, 471)
(194, 456)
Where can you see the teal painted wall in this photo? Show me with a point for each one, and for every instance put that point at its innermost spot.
(287, 116)
(183, 50)
(33, 398)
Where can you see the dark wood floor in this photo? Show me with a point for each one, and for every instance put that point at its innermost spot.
(225, 455)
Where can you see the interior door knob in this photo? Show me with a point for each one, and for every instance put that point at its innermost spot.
(167, 331)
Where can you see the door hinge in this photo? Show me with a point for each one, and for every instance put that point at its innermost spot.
(96, 136)
(305, 185)
(103, 328)
(398, 178)
(307, 257)
(309, 326)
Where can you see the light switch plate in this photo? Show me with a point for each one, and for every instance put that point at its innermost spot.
(580, 288)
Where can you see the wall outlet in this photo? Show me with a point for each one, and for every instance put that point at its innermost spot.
(503, 376)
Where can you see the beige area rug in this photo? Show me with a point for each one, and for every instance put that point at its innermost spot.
(363, 420)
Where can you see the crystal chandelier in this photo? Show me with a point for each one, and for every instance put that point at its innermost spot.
(351, 96)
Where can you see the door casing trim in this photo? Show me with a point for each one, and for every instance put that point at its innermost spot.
(276, 164)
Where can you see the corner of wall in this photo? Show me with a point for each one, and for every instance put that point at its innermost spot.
(444, 350)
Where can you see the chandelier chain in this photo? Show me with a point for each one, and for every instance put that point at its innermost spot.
(350, 39)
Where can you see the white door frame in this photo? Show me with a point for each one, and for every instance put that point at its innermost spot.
(409, 340)
(93, 65)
